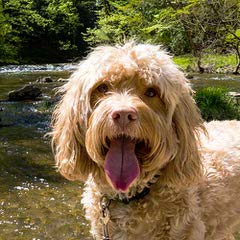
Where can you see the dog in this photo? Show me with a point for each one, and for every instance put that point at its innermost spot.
(127, 125)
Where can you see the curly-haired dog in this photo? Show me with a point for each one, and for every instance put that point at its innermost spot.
(128, 126)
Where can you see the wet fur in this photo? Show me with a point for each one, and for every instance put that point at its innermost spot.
(196, 195)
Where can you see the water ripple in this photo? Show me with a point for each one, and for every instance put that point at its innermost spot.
(38, 68)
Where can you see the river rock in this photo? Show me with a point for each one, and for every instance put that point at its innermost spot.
(62, 80)
(189, 76)
(47, 79)
(236, 96)
(28, 92)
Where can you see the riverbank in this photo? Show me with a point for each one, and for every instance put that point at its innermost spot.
(211, 63)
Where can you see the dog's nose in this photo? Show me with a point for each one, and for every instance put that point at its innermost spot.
(124, 116)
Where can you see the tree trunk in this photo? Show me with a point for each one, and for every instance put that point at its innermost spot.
(199, 62)
(238, 59)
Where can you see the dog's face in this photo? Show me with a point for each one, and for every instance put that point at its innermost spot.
(126, 129)
(127, 114)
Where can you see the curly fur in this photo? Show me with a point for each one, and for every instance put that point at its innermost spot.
(196, 195)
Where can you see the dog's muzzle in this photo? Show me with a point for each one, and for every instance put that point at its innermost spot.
(123, 117)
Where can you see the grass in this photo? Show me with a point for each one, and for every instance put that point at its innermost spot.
(216, 104)
(184, 61)
(212, 62)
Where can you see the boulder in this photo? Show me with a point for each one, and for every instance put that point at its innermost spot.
(28, 92)
(47, 79)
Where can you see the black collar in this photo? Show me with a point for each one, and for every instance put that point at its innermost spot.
(141, 194)
(138, 196)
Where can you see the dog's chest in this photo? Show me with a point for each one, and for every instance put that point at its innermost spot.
(157, 216)
(142, 219)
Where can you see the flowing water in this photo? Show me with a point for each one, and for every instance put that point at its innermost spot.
(35, 201)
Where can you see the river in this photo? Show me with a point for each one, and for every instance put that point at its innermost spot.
(35, 201)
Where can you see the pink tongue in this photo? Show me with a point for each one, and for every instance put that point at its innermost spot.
(121, 164)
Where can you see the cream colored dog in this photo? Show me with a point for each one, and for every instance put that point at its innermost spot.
(128, 126)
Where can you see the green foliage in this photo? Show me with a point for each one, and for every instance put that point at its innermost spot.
(174, 24)
(124, 22)
(167, 29)
(55, 30)
(7, 51)
(147, 21)
(190, 26)
(216, 104)
(43, 30)
(230, 37)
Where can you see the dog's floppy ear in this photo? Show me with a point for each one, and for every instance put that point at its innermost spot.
(186, 166)
(68, 132)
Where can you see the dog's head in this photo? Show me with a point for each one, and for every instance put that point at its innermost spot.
(126, 114)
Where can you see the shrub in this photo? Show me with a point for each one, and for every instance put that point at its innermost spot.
(217, 104)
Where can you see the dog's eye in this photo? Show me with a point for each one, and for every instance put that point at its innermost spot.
(103, 88)
(151, 92)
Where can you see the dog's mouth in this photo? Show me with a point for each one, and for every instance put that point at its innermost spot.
(122, 161)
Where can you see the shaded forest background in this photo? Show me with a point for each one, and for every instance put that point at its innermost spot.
(44, 31)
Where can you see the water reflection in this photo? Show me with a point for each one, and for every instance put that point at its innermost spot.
(35, 201)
